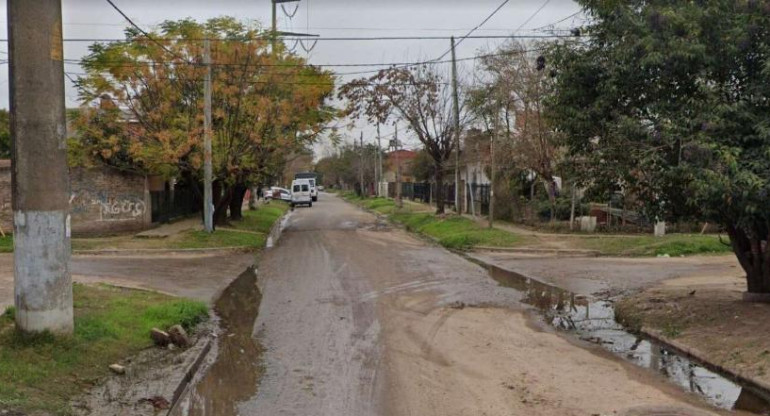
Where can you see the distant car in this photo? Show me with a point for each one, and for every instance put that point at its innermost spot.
(282, 194)
(320, 188)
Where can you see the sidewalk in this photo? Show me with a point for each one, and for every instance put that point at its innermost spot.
(167, 230)
(201, 277)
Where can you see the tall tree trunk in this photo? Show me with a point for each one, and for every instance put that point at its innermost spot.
(236, 202)
(753, 257)
(222, 196)
(438, 175)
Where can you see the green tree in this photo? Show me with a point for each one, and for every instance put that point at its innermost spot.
(670, 100)
(266, 105)
(5, 134)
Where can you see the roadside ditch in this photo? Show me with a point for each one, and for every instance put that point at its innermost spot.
(593, 320)
(234, 370)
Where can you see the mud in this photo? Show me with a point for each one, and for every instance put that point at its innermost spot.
(149, 383)
(593, 320)
(234, 375)
(359, 320)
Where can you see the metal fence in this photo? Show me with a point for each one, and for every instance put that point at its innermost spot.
(176, 202)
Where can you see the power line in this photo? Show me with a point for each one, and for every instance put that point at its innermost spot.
(474, 29)
(123, 64)
(545, 3)
(147, 35)
(558, 21)
(157, 40)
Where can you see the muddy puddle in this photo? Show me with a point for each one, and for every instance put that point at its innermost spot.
(593, 320)
(233, 377)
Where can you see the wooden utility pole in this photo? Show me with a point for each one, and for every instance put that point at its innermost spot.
(208, 201)
(456, 102)
(40, 177)
(361, 163)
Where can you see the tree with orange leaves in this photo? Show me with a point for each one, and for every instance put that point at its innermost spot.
(266, 103)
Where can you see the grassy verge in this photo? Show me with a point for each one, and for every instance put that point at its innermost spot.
(43, 372)
(258, 224)
(450, 231)
(674, 245)
(262, 219)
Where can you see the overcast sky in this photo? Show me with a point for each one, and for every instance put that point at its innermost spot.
(328, 18)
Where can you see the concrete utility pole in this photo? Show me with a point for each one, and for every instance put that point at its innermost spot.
(42, 281)
(361, 163)
(208, 200)
(379, 160)
(456, 101)
(493, 169)
(399, 202)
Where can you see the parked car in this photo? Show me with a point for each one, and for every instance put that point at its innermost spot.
(275, 192)
(300, 193)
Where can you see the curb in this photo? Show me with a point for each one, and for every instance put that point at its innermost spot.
(523, 250)
(190, 373)
(159, 251)
(195, 367)
(758, 387)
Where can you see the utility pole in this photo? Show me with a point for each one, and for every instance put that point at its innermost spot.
(361, 163)
(40, 177)
(208, 200)
(493, 169)
(399, 203)
(456, 100)
(379, 161)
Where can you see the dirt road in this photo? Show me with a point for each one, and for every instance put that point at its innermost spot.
(358, 319)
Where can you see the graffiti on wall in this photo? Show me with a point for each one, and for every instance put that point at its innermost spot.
(110, 207)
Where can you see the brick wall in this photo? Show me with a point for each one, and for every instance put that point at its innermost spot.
(102, 201)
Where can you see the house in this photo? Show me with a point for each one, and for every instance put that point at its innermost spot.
(405, 159)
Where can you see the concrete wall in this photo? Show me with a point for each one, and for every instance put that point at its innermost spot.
(102, 201)
(105, 201)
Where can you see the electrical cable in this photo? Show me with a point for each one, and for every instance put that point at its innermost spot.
(474, 29)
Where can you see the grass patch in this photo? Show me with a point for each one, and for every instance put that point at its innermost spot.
(42, 372)
(262, 219)
(258, 224)
(192, 239)
(674, 245)
(451, 231)
(456, 232)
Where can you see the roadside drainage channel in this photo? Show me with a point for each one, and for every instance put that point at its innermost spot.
(593, 320)
(233, 377)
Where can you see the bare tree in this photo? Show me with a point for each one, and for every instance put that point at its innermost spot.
(418, 96)
(517, 84)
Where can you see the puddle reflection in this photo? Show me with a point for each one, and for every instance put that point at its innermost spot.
(594, 321)
(233, 378)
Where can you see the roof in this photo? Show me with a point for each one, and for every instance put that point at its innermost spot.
(403, 154)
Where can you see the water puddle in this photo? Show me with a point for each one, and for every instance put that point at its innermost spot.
(234, 376)
(594, 321)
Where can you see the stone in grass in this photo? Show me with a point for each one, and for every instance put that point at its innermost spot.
(160, 338)
(118, 369)
(179, 336)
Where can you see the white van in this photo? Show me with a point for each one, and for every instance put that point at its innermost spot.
(313, 190)
(300, 193)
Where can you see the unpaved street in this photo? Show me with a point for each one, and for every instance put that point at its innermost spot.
(359, 319)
